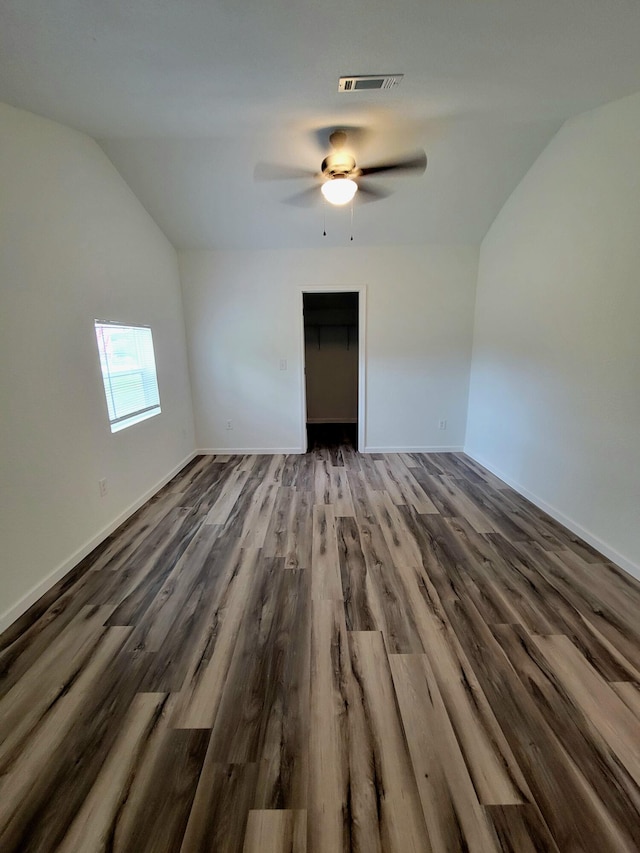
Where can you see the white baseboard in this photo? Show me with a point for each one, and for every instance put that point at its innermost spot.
(413, 449)
(603, 547)
(247, 451)
(23, 604)
(272, 451)
(332, 420)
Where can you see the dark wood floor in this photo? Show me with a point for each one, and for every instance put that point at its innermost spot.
(327, 652)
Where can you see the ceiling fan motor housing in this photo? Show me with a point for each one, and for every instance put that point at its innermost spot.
(338, 165)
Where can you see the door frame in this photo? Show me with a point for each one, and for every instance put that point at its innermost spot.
(361, 290)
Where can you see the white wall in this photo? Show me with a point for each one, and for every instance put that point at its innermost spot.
(555, 391)
(243, 314)
(75, 245)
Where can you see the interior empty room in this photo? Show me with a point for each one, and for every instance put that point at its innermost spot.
(320, 393)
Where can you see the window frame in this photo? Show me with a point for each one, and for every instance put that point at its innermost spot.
(123, 421)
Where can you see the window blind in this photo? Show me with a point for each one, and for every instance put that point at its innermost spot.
(128, 372)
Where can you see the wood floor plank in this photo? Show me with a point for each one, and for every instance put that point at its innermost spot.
(290, 471)
(335, 455)
(219, 512)
(220, 811)
(305, 477)
(521, 829)
(95, 825)
(362, 506)
(119, 548)
(201, 695)
(362, 793)
(409, 460)
(342, 811)
(630, 695)
(357, 588)
(387, 601)
(597, 612)
(485, 501)
(277, 536)
(514, 596)
(390, 485)
(496, 775)
(400, 818)
(571, 808)
(452, 812)
(52, 726)
(276, 832)
(67, 599)
(203, 493)
(597, 584)
(134, 597)
(370, 473)
(258, 517)
(340, 493)
(178, 661)
(450, 491)
(43, 787)
(566, 607)
(325, 562)
(23, 708)
(600, 704)
(300, 532)
(153, 814)
(263, 714)
(590, 755)
(468, 466)
(175, 592)
(327, 652)
(402, 486)
(322, 482)
(273, 474)
(400, 542)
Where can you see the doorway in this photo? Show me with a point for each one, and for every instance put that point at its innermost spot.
(333, 368)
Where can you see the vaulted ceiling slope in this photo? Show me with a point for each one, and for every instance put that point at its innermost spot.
(186, 96)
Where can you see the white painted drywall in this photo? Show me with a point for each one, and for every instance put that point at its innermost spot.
(75, 245)
(242, 310)
(555, 391)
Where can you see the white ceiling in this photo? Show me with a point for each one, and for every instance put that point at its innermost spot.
(186, 96)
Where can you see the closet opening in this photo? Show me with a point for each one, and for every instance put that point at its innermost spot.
(332, 367)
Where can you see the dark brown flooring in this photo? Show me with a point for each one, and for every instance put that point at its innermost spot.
(329, 652)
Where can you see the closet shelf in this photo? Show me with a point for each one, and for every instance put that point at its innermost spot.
(319, 326)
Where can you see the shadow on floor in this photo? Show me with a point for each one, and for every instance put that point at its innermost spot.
(328, 436)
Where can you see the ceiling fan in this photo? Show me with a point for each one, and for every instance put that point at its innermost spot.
(340, 177)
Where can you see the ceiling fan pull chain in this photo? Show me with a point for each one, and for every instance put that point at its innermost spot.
(324, 219)
(351, 222)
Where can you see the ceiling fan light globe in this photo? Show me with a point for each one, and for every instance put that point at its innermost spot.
(339, 190)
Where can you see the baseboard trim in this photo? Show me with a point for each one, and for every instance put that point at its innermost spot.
(247, 451)
(603, 547)
(23, 604)
(447, 449)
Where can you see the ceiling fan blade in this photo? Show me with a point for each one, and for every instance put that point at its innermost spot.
(367, 192)
(278, 172)
(417, 163)
(306, 198)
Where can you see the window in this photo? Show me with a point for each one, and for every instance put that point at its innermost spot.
(128, 372)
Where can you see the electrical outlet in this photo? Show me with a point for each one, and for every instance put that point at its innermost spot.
(283, 364)
(442, 424)
(102, 485)
(229, 426)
